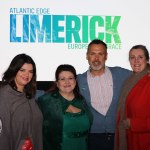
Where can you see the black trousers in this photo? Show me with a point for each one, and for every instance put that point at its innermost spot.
(101, 141)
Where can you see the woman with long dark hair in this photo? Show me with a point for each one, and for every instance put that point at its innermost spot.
(20, 117)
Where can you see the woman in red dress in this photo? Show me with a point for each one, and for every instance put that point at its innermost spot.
(133, 119)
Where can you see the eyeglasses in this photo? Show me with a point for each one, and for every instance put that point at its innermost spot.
(66, 79)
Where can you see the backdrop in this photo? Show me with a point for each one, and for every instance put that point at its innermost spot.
(58, 32)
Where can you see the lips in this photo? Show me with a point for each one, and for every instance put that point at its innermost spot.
(137, 65)
(67, 86)
(96, 63)
(25, 79)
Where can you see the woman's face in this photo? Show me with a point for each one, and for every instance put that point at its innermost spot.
(24, 76)
(137, 60)
(66, 82)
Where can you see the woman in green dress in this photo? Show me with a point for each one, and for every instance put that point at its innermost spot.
(67, 119)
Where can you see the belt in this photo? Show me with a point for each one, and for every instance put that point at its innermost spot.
(102, 135)
(106, 134)
(75, 134)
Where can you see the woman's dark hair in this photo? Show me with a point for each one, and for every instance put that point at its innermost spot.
(144, 49)
(10, 74)
(70, 68)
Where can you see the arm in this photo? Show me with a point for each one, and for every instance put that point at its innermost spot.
(4, 125)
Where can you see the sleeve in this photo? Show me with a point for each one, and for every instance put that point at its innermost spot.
(5, 137)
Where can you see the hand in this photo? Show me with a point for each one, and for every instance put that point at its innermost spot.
(126, 123)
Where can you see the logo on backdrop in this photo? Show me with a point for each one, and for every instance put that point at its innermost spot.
(38, 25)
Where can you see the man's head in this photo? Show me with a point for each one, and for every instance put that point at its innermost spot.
(97, 55)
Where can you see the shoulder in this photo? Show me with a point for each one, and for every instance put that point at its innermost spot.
(119, 70)
(4, 89)
(81, 76)
(50, 96)
(5, 99)
(44, 98)
(145, 80)
(143, 85)
(6, 92)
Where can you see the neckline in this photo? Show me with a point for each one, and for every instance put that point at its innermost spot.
(74, 114)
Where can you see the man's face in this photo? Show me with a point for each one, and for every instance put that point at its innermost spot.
(96, 56)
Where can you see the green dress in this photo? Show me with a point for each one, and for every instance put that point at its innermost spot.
(75, 130)
(63, 130)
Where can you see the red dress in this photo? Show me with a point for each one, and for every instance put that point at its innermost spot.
(138, 111)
